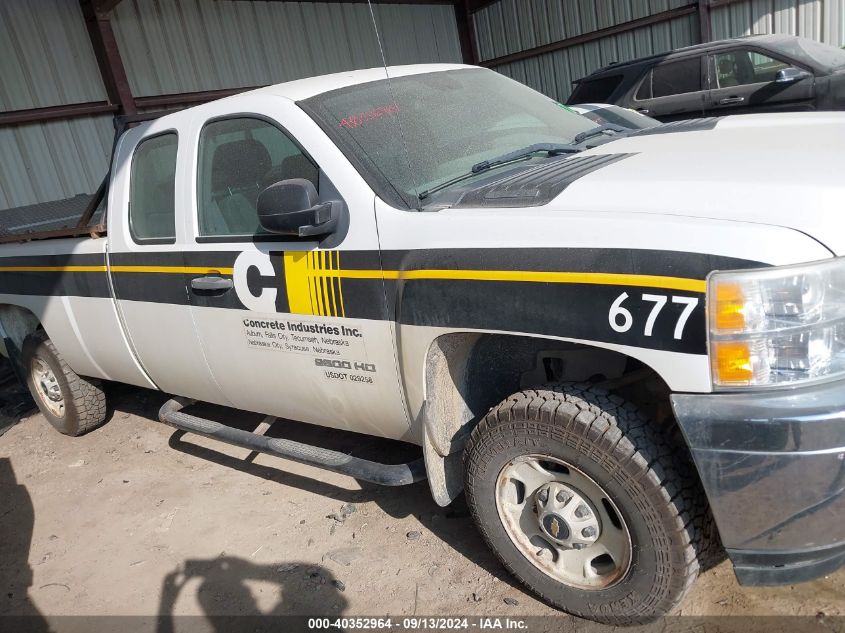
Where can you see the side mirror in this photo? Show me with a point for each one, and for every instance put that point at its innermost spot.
(788, 75)
(290, 207)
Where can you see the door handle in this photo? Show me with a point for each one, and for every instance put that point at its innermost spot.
(211, 282)
(645, 111)
(731, 100)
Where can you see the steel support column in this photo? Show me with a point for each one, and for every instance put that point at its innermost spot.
(705, 27)
(98, 21)
(466, 32)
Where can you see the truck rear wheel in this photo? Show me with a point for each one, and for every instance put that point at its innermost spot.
(72, 404)
(586, 503)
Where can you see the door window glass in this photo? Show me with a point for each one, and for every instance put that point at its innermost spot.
(152, 190)
(674, 78)
(740, 68)
(644, 91)
(238, 159)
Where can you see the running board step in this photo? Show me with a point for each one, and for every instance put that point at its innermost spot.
(374, 472)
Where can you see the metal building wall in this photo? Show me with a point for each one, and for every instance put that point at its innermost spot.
(171, 46)
(822, 20)
(176, 46)
(46, 59)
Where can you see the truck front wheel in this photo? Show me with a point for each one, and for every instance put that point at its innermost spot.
(72, 404)
(586, 503)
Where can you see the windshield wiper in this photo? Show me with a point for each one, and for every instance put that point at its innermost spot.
(601, 129)
(552, 149)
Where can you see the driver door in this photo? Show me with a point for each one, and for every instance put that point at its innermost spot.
(286, 327)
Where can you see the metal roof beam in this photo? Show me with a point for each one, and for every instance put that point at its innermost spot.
(477, 5)
(51, 113)
(624, 27)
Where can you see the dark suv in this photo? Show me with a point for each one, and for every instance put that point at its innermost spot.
(759, 73)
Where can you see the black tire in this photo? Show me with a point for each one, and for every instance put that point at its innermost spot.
(648, 479)
(83, 398)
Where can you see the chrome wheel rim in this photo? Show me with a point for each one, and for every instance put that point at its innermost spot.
(563, 522)
(47, 387)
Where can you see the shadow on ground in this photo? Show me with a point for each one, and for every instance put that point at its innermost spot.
(17, 519)
(221, 587)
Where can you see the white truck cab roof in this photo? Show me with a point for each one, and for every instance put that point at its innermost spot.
(312, 86)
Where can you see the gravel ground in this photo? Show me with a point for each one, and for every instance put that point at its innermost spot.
(134, 519)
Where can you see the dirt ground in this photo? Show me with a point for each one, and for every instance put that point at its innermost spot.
(133, 518)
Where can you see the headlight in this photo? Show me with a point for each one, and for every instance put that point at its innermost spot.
(777, 325)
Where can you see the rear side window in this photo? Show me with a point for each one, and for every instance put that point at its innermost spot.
(595, 90)
(152, 190)
(672, 78)
(238, 159)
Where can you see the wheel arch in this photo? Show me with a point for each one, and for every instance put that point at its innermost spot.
(468, 373)
(16, 324)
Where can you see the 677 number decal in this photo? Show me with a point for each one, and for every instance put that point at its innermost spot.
(621, 319)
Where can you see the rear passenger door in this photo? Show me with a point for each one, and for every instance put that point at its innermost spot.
(743, 81)
(286, 327)
(145, 260)
(674, 89)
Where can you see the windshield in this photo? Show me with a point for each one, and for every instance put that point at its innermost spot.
(799, 48)
(420, 131)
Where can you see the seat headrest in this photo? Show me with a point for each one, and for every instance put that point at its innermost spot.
(239, 164)
(726, 66)
(296, 166)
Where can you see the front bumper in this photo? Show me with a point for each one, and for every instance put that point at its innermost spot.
(773, 467)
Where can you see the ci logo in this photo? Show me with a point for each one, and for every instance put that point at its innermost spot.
(247, 265)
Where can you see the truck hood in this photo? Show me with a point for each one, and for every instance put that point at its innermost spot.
(784, 170)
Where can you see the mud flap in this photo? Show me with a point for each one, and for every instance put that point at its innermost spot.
(445, 474)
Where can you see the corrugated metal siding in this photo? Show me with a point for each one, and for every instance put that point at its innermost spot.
(46, 59)
(45, 55)
(822, 20)
(53, 160)
(170, 46)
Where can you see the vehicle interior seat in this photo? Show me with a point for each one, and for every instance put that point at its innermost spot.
(158, 218)
(727, 73)
(295, 166)
(236, 173)
(744, 69)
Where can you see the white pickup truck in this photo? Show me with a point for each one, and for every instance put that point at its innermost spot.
(627, 348)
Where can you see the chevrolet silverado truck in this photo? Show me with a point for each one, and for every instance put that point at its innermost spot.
(626, 347)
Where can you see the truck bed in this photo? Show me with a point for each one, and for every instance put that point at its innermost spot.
(83, 214)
